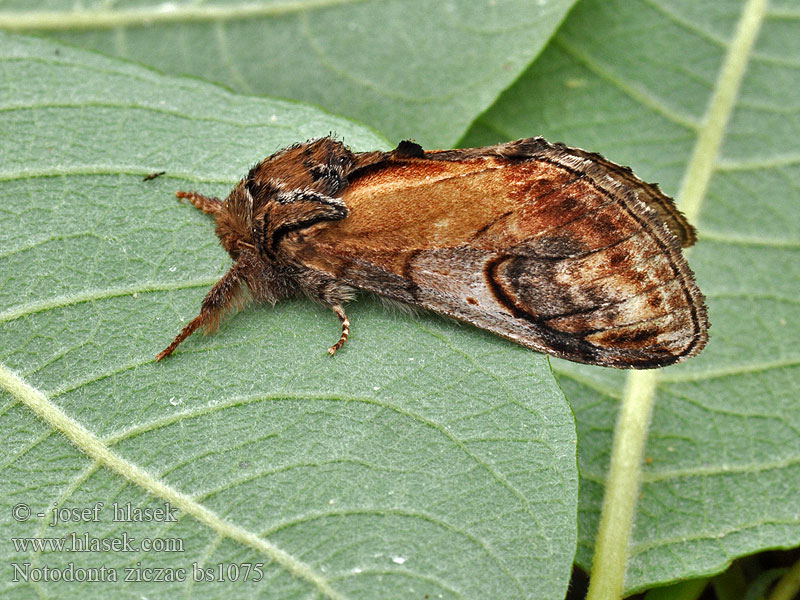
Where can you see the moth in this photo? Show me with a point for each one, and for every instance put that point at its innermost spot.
(554, 248)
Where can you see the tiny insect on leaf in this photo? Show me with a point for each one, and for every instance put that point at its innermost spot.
(554, 248)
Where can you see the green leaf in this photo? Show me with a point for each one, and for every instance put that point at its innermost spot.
(411, 69)
(426, 458)
(675, 90)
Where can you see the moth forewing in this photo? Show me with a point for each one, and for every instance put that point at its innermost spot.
(548, 249)
(554, 248)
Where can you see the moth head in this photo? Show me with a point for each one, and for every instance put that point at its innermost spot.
(235, 221)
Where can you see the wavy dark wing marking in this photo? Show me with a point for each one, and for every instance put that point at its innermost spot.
(554, 248)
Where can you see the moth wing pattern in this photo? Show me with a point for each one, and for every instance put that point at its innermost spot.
(552, 247)
(555, 248)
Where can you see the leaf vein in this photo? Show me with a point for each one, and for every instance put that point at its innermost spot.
(640, 96)
(74, 20)
(94, 448)
(23, 310)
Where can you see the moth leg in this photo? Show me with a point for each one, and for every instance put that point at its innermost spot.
(208, 204)
(222, 296)
(339, 311)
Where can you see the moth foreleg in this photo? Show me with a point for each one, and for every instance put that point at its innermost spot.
(222, 296)
(208, 204)
(339, 311)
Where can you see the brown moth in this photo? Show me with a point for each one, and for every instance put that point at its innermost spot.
(552, 247)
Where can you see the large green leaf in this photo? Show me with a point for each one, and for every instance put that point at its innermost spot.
(410, 68)
(425, 459)
(674, 89)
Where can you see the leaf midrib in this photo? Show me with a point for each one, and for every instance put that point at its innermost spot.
(98, 451)
(75, 20)
(612, 548)
(702, 163)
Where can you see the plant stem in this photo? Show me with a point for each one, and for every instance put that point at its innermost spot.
(622, 487)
